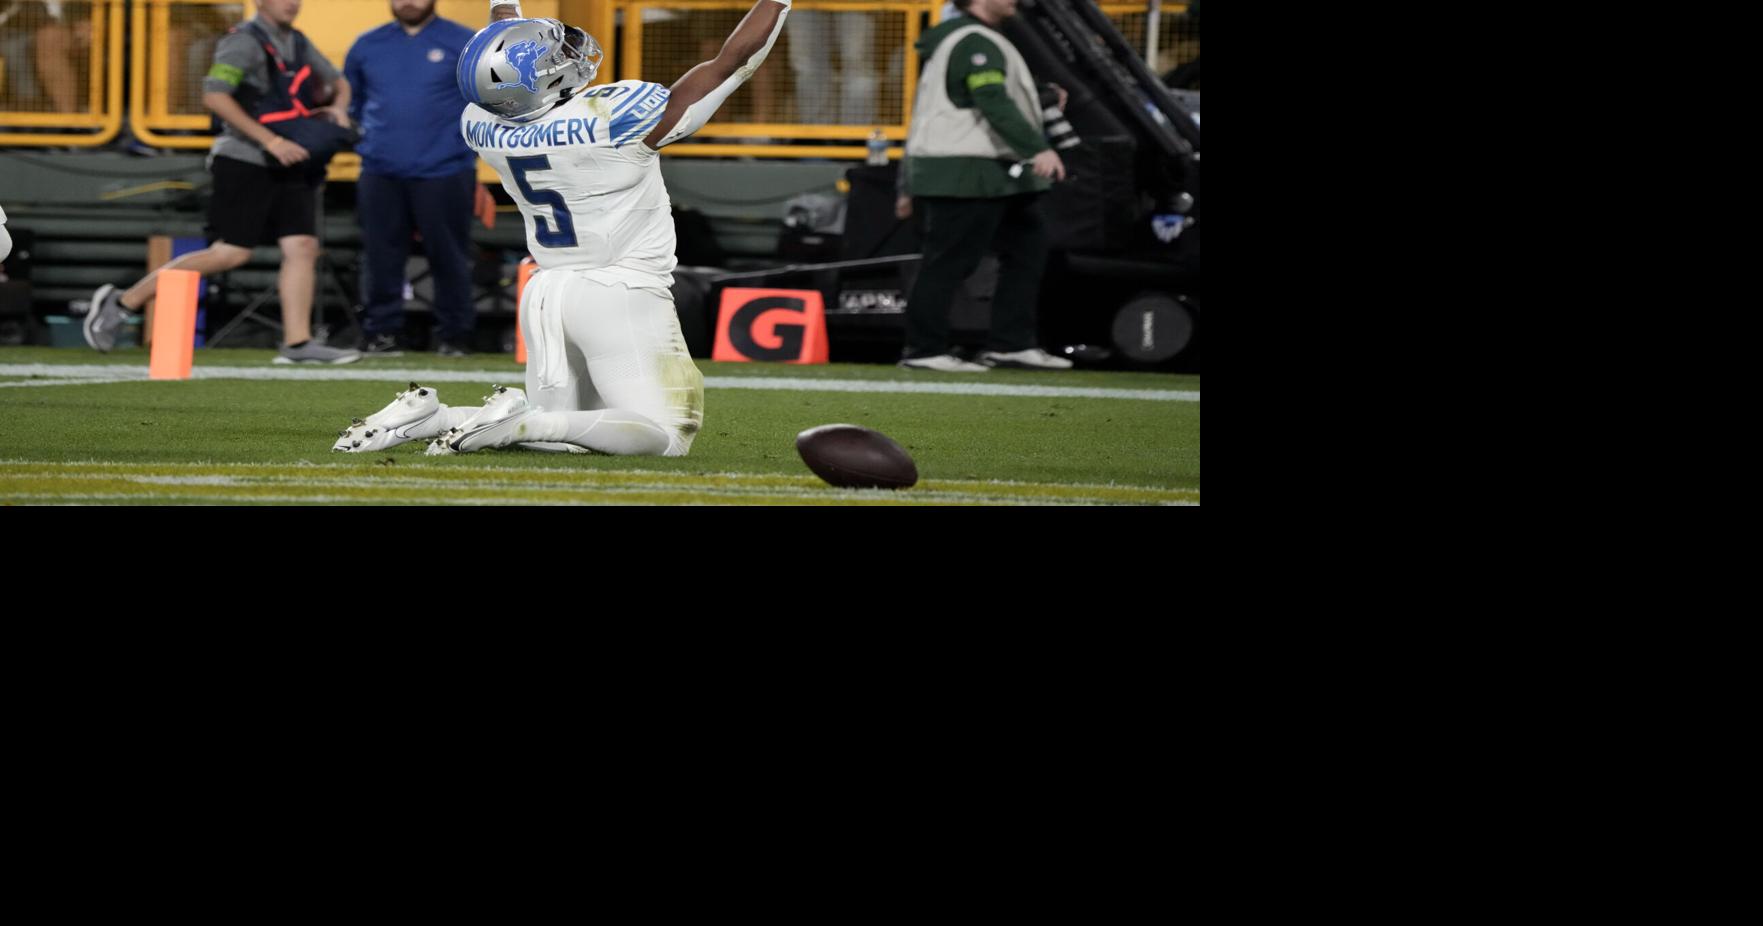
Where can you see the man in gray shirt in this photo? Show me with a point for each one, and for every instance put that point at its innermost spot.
(263, 190)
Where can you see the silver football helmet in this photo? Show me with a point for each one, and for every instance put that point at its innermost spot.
(517, 68)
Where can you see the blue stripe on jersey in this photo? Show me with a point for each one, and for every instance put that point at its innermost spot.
(642, 90)
(640, 130)
(644, 111)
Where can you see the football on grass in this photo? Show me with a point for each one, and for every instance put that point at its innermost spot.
(853, 457)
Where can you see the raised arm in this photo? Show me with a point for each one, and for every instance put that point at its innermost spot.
(695, 97)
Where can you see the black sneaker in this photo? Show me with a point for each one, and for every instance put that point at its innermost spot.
(380, 345)
(451, 350)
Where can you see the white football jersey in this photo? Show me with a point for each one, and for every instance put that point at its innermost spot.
(589, 190)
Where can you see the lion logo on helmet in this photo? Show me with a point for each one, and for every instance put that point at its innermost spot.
(524, 56)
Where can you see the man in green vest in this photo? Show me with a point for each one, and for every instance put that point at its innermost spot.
(978, 115)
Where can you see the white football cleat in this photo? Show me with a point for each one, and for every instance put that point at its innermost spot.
(503, 410)
(390, 426)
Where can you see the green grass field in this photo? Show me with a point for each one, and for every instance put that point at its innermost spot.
(77, 427)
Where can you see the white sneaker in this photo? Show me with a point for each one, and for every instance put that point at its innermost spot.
(104, 319)
(390, 426)
(1031, 359)
(503, 410)
(942, 363)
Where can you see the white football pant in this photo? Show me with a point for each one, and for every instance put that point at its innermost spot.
(607, 367)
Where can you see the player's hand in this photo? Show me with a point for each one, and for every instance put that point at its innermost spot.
(504, 9)
(903, 207)
(1047, 164)
(287, 153)
(1063, 96)
(337, 114)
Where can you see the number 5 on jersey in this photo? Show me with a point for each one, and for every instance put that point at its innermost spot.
(560, 231)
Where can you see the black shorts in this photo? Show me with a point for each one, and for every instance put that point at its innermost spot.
(253, 206)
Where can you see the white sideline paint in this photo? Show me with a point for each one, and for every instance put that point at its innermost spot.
(438, 493)
(74, 374)
(58, 382)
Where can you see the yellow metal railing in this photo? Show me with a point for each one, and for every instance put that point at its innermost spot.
(891, 28)
(163, 100)
(898, 38)
(1175, 42)
(159, 104)
(99, 114)
(653, 39)
(151, 107)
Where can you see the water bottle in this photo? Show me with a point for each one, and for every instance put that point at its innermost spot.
(878, 149)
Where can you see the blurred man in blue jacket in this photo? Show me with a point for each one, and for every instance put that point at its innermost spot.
(416, 172)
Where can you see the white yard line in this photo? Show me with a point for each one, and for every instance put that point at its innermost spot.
(76, 374)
